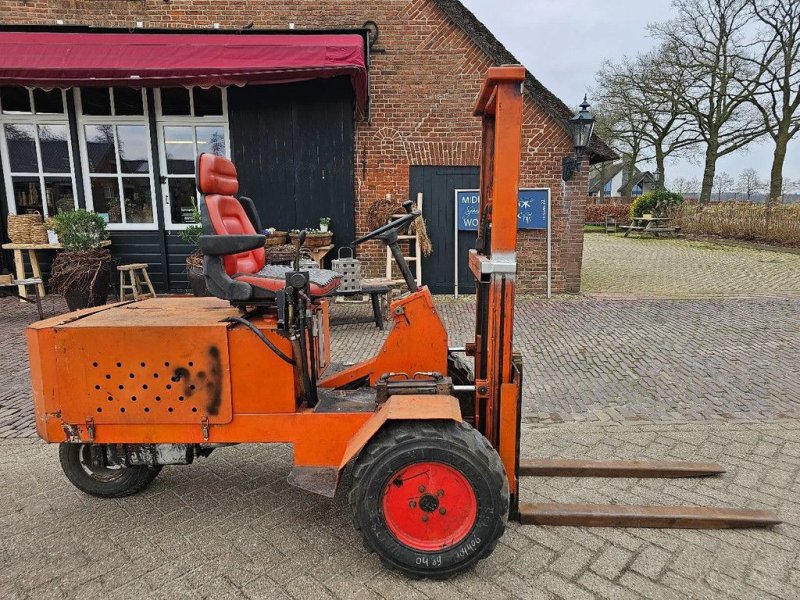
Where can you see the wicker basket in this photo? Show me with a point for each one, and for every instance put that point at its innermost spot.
(278, 238)
(318, 240)
(280, 254)
(27, 229)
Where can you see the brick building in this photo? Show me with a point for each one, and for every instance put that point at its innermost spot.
(304, 149)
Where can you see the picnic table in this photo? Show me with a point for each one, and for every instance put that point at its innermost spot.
(651, 225)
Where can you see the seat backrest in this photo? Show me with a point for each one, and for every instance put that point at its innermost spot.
(217, 181)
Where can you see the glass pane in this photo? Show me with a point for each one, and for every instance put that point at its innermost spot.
(178, 146)
(138, 201)
(211, 139)
(58, 191)
(48, 102)
(54, 148)
(181, 195)
(207, 102)
(15, 100)
(132, 143)
(100, 148)
(128, 101)
(95, 101)
(105, 197)
(175, 101)
(21, 148)
(27, 196)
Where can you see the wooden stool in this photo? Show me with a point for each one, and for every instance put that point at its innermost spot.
(137, 274)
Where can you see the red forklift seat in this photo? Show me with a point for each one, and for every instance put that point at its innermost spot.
(217, 180)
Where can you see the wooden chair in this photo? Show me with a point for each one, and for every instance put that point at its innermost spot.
(138, 277)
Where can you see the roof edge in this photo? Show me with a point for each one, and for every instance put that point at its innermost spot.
(459, 14)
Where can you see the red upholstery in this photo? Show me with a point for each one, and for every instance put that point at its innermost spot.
(216, 175)
(315, 290)
(216, 179)
(228, 218)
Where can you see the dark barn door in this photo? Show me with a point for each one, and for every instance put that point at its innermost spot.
(438, 186)
(293, 149)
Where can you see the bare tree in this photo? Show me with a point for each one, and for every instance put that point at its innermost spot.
(723, 183)
(705, 41)
(647, 87)
(679, 185)
(750, 183)
(623, 131)
(777, 91)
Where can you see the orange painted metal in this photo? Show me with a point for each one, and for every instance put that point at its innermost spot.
(157, 349)
(417, 343)
(493, 263)
(400, 408)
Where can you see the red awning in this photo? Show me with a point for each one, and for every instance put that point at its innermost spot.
(38, 59)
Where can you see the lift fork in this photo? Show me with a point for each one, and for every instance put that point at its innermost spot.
(615, 515)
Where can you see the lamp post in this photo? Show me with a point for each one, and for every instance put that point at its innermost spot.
(581, 127)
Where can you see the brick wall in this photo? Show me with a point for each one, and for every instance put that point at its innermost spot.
(423, 87)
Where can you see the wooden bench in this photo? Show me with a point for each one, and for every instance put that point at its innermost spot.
(7, 289)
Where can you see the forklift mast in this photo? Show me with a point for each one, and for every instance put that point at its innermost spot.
(493, 262)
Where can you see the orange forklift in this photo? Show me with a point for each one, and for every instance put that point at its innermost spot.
(130, 387)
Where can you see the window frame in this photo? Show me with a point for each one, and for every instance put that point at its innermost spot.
(34, 118)
(115, 121)
(192, 121)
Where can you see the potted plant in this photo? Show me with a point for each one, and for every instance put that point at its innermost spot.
(194, 262)
(82, 272)
(314, 238)
(275, 237)
(324, 224)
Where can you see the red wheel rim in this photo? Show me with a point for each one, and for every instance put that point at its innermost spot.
(429, 506)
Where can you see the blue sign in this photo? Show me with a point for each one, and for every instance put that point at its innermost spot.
(531, 214)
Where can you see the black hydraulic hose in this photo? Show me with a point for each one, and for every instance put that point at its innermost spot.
(262, 337)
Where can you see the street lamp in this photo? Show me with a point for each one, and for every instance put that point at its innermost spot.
(581, 127)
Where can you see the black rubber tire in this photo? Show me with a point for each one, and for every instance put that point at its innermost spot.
(457, 445)
(125, 482)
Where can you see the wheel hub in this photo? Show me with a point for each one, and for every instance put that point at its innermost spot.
(429, 503)
(429, 506)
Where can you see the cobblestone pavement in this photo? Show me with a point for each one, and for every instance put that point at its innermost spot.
(585, 359)
(230, 527)
(681, 268)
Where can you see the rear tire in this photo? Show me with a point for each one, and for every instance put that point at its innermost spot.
(430, 498)
(104, 482)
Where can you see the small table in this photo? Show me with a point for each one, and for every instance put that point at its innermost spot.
(652, 225)
(19, 263)
(374, 291)
(317, 254)
(7, 289)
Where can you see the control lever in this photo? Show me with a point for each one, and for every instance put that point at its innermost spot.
(300, 241)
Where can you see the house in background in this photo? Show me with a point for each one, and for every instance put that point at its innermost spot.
(608, 180)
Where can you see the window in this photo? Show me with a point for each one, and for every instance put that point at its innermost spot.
(190, 122)
(36, 151)
(116, 156)
(637, 189)
(607, 188)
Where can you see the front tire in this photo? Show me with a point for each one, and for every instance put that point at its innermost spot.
(106, 481)
(430, 498)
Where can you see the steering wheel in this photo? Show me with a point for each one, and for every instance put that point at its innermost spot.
(395, 226)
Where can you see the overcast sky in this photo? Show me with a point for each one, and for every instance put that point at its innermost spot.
(564, 42)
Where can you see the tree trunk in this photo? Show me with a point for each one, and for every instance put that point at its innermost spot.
(630, 169)
(708, 173)
(660, 167)
(776, 173)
